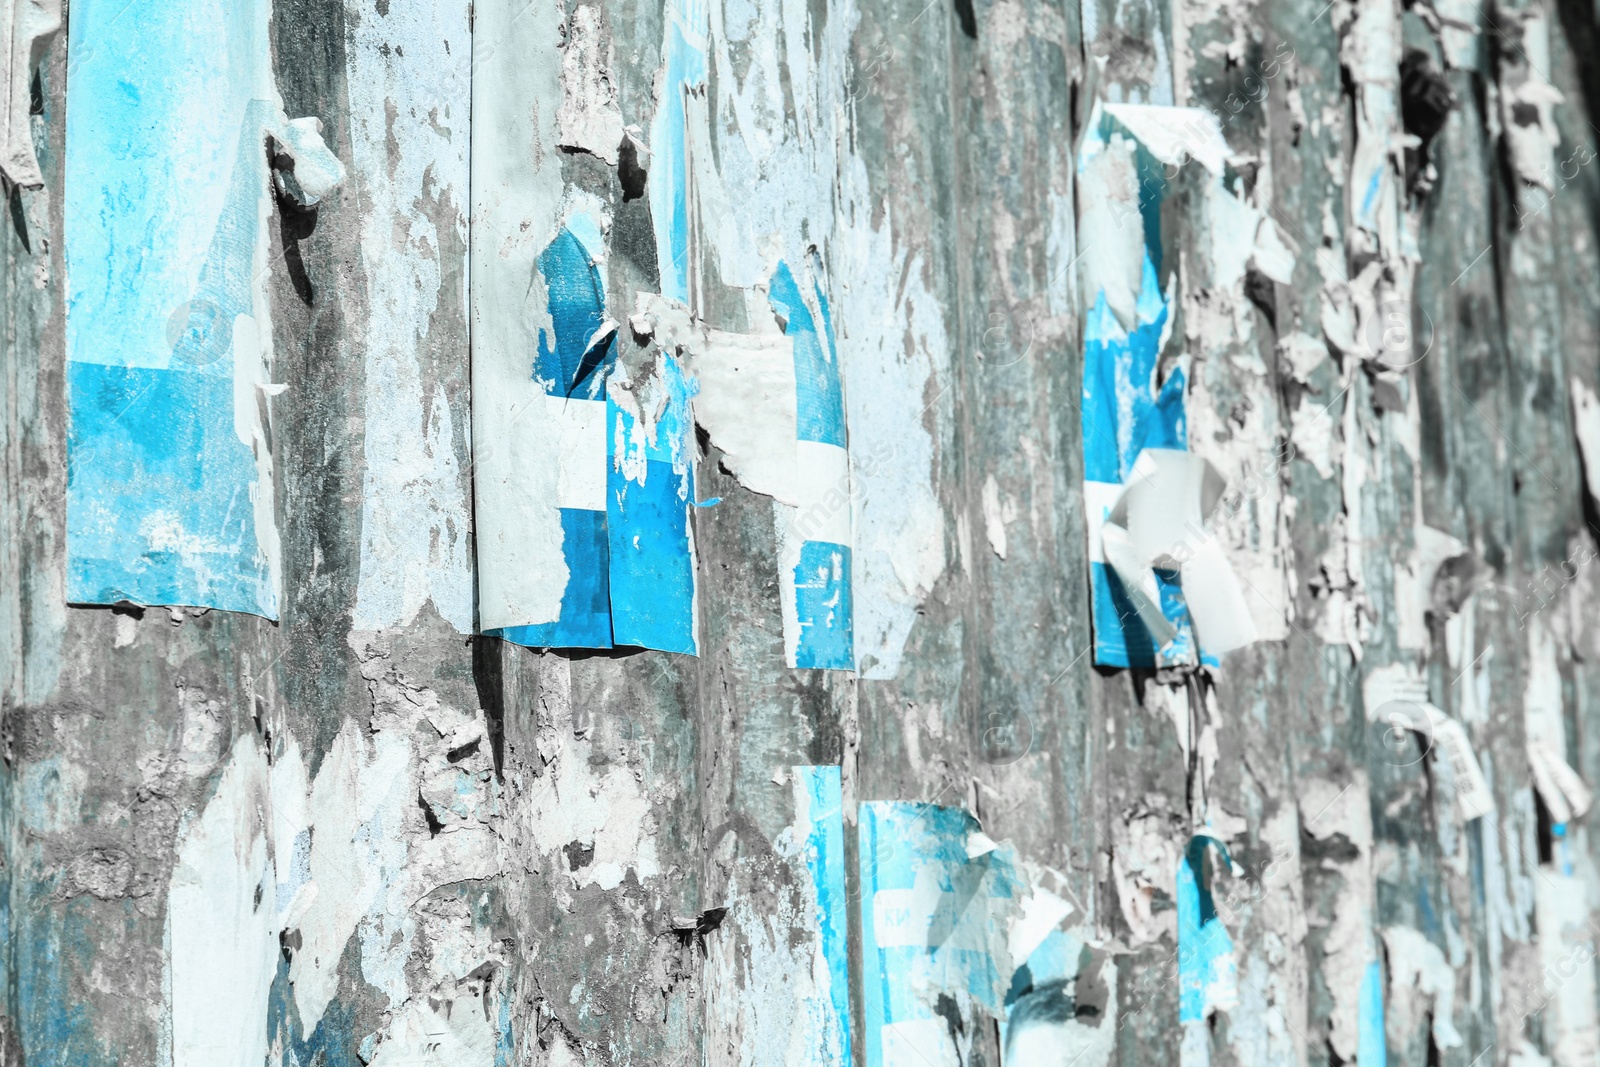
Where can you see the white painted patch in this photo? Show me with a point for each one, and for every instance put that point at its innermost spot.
(1563, 906)
(409, 74)
(1421, 983)
(439, 1032)
(222, 930)
(1328, 809)
(996, 515)
(601, 807)
(893, 348)
(1586, 424)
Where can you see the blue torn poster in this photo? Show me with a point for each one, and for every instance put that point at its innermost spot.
(819, 825)
(621, 441)
(649, 500)
(1208, 977)
(570, 363)
(815, 555)
(167, 198)
(1126, 407)
(937, 898)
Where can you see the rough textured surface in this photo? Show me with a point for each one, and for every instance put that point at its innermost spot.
(363, 835)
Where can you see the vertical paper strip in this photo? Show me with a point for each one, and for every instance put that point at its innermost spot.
(649, 499)
(538, 415)
(1122, 183)
(410, 76)
(934, 931)
(1208, 978)
(815, 556)
(170, 491)
(684, 53)
(819, 824)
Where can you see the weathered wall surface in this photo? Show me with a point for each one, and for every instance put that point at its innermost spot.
(363, 833)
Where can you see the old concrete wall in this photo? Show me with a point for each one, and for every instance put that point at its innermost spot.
(362, 833)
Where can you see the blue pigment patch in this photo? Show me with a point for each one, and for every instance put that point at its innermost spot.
(158, 492)
(652, 558)
(165, 178)
(571, 366)
(825, 863)
(49, 943)
(1371, 1050)
(822, 604)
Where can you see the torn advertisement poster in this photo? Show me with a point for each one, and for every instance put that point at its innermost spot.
(951, 921)
(583, 465)
(170, 484)
(814, 555)
(1133, 398)
(1398, 695)
(543, 579)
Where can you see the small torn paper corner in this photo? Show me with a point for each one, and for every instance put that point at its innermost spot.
(1397, 694)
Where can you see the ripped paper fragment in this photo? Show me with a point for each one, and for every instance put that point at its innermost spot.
(1560, 787)
(938, 927)
(1132, 400)
(649, 501)
(26, 29)
(1398, 695)
(815, 542)
(167, 200)
(773, 403)
(819, 826)
(1158, 523)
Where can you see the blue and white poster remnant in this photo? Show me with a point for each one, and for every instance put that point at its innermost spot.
(649, 501)
(944, 913)
(584, 464)
(1208, 976)
(819, 828)
(574, 351)
(172, 110)
(1134, 392)
(814, 559)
